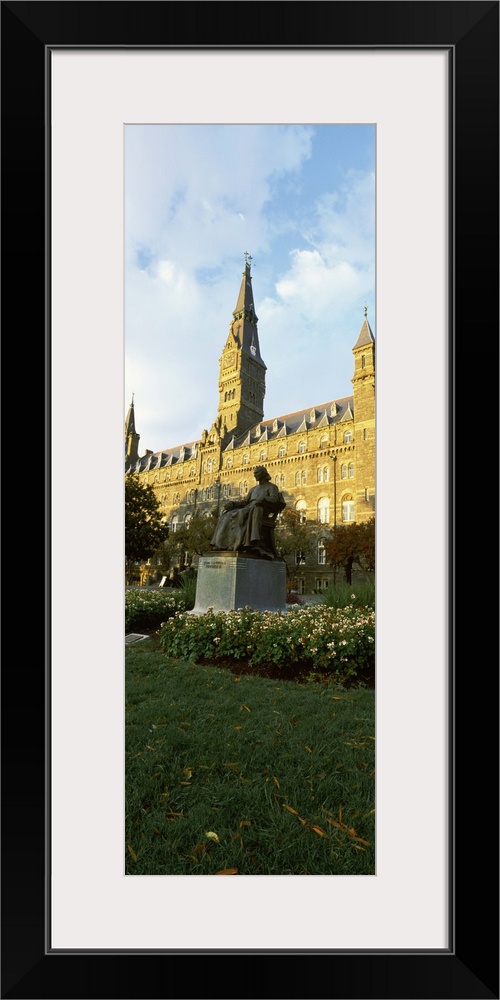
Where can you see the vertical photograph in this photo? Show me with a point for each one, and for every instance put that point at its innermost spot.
(249, 492)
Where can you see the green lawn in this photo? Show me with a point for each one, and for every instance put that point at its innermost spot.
(243, 774)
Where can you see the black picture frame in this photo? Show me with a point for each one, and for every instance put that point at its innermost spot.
(470, 968)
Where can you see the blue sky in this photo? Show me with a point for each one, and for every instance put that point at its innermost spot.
(301, 201)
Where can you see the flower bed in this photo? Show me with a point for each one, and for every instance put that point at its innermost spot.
(149, 609)
(319, 640)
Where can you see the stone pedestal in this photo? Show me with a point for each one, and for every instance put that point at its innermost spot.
(231, 580)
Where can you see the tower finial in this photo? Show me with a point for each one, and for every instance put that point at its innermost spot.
(248, 259)
(366, 310)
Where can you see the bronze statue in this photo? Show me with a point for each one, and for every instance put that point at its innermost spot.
(248, 525)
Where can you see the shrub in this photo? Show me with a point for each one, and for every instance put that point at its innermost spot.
(343, 595)
(148, 609)
(330, 641)
(293, 598)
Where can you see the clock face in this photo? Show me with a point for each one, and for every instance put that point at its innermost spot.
(229, 360)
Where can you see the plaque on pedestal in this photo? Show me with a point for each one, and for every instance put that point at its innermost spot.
(230, 580)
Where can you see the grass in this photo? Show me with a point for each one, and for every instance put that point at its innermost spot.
(244, 775)
(340, 595)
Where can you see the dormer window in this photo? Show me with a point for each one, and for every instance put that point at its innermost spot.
(348, 437)
(302, 447)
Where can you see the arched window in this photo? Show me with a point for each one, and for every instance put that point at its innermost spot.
(282, 482)
(323, 510)
(301, 508)
(348, 510)
(262, 456)
(209, 465)
(320, 475)
(348, 437)
(351, 470)
(321, 552)
(326, 474)
(187, 518)
(324, 441)
(246, 459)
(229, 463)
(343, 471)
(297, 478)
(245, 487)
(281, 451)
(302, 447)
(174, 524)
(304, 477)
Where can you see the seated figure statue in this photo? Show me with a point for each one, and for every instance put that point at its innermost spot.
(248, 524)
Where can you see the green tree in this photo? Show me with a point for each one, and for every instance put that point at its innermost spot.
(144, 530)
(366, 545)
(192, 537)
(295, 539)
(352, 543)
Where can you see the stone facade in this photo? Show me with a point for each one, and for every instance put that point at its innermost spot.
(322, 458)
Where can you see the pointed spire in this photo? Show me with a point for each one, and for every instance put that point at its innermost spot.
(130, 420)
(245, 319)
(365, 334)
(245, 307)
(131, 435)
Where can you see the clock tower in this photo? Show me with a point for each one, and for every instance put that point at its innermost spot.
(242, 378)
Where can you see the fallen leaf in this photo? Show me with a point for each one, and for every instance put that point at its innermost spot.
(307, 748)
(134, 855)
(290, 810)
(336, 698)
(333, 822)
(188, 771)
(276, 782)
(212, 836)
(245, 822)
(237, 727)
(247, 709)
(149, 748)
(156, 830)
(136, 755)
(200, 848)
(319, 831)
(188, 783)
(236, 681)
(228, 871)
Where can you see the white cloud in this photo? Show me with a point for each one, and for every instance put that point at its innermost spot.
(197, 197)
